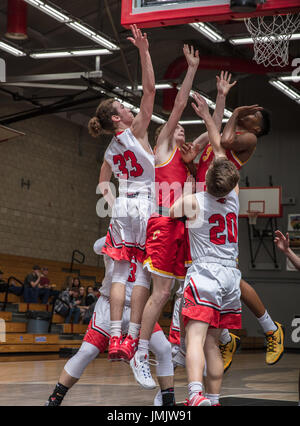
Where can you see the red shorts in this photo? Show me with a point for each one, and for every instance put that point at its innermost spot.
(174, 335)
(166, 247)
(100, 338)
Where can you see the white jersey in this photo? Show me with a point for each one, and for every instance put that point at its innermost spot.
(214, 234)
(107, 281)
(131, 164)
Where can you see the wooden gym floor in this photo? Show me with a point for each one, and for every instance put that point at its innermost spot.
(249, 381)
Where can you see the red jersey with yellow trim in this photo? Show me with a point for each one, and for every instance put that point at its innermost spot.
(171, 176)
(206, 159)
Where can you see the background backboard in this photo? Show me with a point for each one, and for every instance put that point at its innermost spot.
(266, 200)
(155, 13)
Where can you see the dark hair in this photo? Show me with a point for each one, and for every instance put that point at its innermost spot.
(75, 289)
(102, 122)
(222, 177)
(266, 123)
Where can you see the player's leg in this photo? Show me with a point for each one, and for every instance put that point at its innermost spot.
(117, 301)
(195, 361)
(139, 297)
(274, 331)
(214, 366)
(157, 300)
(161, 348)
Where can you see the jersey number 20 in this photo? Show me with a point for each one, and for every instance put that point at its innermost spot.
(216, 233)
(136, 168)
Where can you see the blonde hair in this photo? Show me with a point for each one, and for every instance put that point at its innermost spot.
(102, 122)
(222, 177)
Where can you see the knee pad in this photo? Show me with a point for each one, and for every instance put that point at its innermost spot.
(162, 349)
(78, 363)
(142, 276)
(121, 271)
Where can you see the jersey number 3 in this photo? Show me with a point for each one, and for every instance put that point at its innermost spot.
(216, 233)
(136, 168)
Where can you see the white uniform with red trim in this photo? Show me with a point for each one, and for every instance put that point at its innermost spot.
(212, 285)
(133, 166)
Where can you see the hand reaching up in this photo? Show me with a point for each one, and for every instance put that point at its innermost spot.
(223, 83)
(139, 40)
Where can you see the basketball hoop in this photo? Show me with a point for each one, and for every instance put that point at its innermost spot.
(271, 37)
(252, 217)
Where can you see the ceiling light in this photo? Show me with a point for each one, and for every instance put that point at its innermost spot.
(293, 78)
(63, 17)
(135, 109)
(10, 49)
(51, 11)
(208, 32)
(65, 54)
(159, 86)
(249, 40)
(288, 91)
(193, 122)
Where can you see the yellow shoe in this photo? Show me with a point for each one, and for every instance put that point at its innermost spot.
(275, 344)
(228, 350)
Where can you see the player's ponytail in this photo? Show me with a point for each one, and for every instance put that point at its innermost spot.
(102, 121)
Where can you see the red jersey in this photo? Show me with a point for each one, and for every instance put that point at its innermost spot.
(206, 159)
(171, 176)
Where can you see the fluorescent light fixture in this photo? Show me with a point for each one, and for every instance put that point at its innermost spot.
(10, 49)
(135, 109)
(51, 11)
(293, 78)
(62, 16)
(70, 53)
(161, 86)
(89, 33)
(249, 40)
(288, 91)
(208, 32)
(194, 122)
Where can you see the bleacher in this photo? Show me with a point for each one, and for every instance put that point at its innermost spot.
(63, 338)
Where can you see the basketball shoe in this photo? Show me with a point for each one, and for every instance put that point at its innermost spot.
(198, 400)
(140, 366)
(128, 348)
(228, 350)
(275, 344)
(114, 347)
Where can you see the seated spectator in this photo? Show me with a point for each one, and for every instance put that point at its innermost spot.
(69, 282)
(76, 282)
(74, 311)
(45, 283)
(44, 286)
(90, 296)
(81, 300)
(96, 292)
(31, 283)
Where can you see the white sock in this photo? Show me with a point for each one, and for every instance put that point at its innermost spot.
(115, 328)
(213, 397)
(143, 347)
(194, 388)
(266, 323)
(134, 330)
(225, 337)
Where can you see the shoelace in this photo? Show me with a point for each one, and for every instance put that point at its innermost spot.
(145, 366)
(271, 343)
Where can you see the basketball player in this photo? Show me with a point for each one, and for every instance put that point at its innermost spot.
(130, 158)
(97, 337)
(239, 139)
(212, 285)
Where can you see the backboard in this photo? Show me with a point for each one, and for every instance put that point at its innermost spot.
(265, 200)
(6, 133)
(155, 13)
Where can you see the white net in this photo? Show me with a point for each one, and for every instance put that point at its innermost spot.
(271, 37)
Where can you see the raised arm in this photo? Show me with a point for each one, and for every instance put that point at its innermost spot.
(182, 97)
(283, 243)
(201, 109)
(245, 141)
(186, 205)
(141, 121)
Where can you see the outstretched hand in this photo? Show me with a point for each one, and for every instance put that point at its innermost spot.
(188, 152)
(282, 242)
(201, 109)
(139, 40)
(223, 83)
(243, 111)
(192, 57)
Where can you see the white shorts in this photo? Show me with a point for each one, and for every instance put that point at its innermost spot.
(212, 295)
(126, 235)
